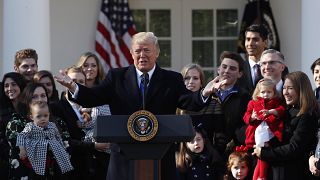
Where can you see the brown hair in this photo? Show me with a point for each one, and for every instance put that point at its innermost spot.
(83, 59)
(314, 64)
(183, 157)
(234, 56)
(238, 156)
(302, 85)
(197, 67)
(23, 54)
(44, 73)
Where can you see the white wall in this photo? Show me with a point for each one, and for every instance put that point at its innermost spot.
(287, 14)
(73, 30)
(310, 37)
(1, 38)
(73, 27)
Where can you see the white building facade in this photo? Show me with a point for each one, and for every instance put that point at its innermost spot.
(61, 30)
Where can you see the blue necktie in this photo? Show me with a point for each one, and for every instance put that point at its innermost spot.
(143, 87)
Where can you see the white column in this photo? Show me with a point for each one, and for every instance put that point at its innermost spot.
(26, 24)
(310, 37)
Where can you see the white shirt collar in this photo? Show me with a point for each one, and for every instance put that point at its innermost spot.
(279, 86)
(252, 63)
(150, 73)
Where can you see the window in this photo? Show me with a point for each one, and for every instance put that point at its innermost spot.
(159, 22)
(190, 31)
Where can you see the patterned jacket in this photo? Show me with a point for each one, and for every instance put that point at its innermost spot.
(37, 141)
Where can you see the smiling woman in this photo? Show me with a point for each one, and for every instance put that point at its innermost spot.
(92, 68)
(290, 160)
(32, 93)
(12, 85)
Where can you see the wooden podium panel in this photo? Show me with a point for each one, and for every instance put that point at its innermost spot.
(147, 170)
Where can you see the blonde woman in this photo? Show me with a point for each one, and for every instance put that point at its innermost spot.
(92, 68)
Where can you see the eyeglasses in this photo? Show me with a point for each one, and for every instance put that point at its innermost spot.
(272, 62)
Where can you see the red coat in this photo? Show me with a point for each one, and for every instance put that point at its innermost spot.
(275, 123)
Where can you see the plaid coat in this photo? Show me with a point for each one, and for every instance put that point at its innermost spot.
(38, 141)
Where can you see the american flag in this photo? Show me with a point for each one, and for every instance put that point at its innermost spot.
(115, 29)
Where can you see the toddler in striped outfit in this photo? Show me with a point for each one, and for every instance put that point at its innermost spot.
(41, 145)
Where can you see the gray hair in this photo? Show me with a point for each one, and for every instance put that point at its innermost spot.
(273, 51)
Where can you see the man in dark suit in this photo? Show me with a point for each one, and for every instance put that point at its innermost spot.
(256, 41)
(120, 89)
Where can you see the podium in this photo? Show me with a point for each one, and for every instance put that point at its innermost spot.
(171, 128)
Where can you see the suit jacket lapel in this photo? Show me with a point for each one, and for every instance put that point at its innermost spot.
(130, 83)
(155, 83)
(249, 77)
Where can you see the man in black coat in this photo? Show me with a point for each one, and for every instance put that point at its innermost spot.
(120, 89)
(256, 41)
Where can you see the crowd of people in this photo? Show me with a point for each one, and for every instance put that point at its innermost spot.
(254, 120)
(43, 134)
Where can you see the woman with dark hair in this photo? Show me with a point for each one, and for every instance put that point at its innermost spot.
(33, 92)
(12, 85)
(290, 159)
(46, 79)
(10, 97)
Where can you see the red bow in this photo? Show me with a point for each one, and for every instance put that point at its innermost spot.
(241, 148)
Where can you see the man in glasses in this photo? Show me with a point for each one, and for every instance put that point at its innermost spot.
(273, 67)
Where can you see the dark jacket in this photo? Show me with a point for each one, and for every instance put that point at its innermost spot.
(233, 108)
(204, 166)
(80, 151)
(290, 160)
(166, 92)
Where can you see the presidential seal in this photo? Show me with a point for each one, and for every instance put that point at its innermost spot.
(142, 125)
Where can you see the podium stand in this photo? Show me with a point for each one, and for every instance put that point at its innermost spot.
(172, 128)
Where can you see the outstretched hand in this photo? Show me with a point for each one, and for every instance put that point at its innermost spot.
(65, 80)
(213, 86)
